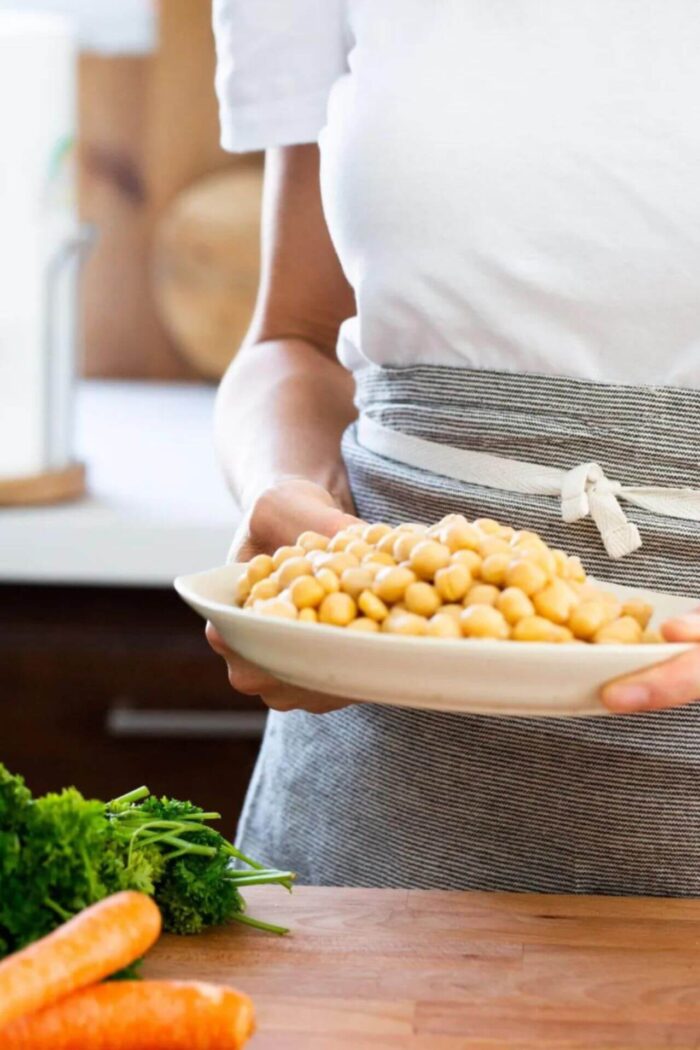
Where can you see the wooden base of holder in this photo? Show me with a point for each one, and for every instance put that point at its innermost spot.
(54, 486)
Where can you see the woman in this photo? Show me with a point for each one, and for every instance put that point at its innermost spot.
(503, 243)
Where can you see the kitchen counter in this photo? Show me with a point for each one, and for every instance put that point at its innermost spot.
(156, 504)
(457, 971)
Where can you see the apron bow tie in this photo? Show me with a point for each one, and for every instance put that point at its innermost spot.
(586, 490)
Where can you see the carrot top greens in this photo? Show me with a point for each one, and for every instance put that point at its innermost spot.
(61, 852)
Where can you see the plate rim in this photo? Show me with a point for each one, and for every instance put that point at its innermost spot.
(182, 584)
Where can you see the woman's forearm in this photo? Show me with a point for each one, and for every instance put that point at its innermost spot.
(281, 411)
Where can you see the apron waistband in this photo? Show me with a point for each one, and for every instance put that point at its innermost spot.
(583, 490)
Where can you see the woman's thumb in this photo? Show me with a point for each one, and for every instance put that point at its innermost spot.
(314, 515)
(281, 515)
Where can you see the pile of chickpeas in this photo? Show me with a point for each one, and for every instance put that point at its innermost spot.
(454, 579)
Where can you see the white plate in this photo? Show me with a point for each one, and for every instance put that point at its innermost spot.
(480, 677)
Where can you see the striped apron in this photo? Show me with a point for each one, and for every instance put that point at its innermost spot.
(379, 796)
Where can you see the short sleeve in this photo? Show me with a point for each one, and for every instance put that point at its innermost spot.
(276, 63)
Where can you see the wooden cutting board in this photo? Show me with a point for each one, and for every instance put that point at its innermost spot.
(419, 970)
(206, 263)
(149, 128)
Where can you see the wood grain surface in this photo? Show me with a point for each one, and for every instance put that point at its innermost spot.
(149, 128)
(51, 486)
(457, 971)
(205, 265)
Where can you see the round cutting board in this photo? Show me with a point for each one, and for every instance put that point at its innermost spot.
(206, 263)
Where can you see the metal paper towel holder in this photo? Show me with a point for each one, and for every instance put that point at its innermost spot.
(59, 482)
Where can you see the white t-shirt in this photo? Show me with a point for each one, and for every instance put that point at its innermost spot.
(509, 184)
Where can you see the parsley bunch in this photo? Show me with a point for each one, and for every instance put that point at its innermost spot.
(61, 852)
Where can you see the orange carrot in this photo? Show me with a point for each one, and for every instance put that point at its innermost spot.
(138, 1015)
(94, 944)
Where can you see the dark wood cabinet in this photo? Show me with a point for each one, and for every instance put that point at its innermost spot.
(109, 688)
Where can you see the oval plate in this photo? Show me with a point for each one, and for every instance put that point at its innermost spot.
(470, 677)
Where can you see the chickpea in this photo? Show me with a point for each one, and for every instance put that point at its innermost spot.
(495, 568)
(338, 562)
(560, 561)
(313, 541)
(242, 589)
(579, 589)
(260, 567)
(340, 541)
(483, 621)
(482, 594)
(372, 606)
(539, 629)
(405, 623)
(455, 611)
(372, 567)
(306, 592)
(337, 609)
(586, 618)
(374, 533)
(527, 575)
(358, 548)
(354, 581)
(506, 532)
(612, 605)
(390, 584)
(470, 559)
(378, 558)
(488, 525)
(639, 610)
(453, 582)
(555, 601)
(459, 536)
(494, 545)
(625, 631)
(364, 624)
(451, 519)
(652, 637)
(422, 598)
(283, 553)
(427, 557)
(442, 625)
(276, 607)
(575, 570)
(537, 552)
(542, 557)
(386, 543)
(264, 589)
(328, 580)
(527, 540)
(514, 604)
(413, 526)
(317, 558)
(404, 544)
(308, 615)
(291, 568)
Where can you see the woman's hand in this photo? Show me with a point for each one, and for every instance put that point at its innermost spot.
(280, 514)
(670, 684)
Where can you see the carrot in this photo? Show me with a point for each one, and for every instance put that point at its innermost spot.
(138, 1015)
(94, 944)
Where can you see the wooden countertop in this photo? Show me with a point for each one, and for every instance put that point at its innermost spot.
(388, 969)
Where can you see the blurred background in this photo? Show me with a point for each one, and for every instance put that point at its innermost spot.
(128, 268)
